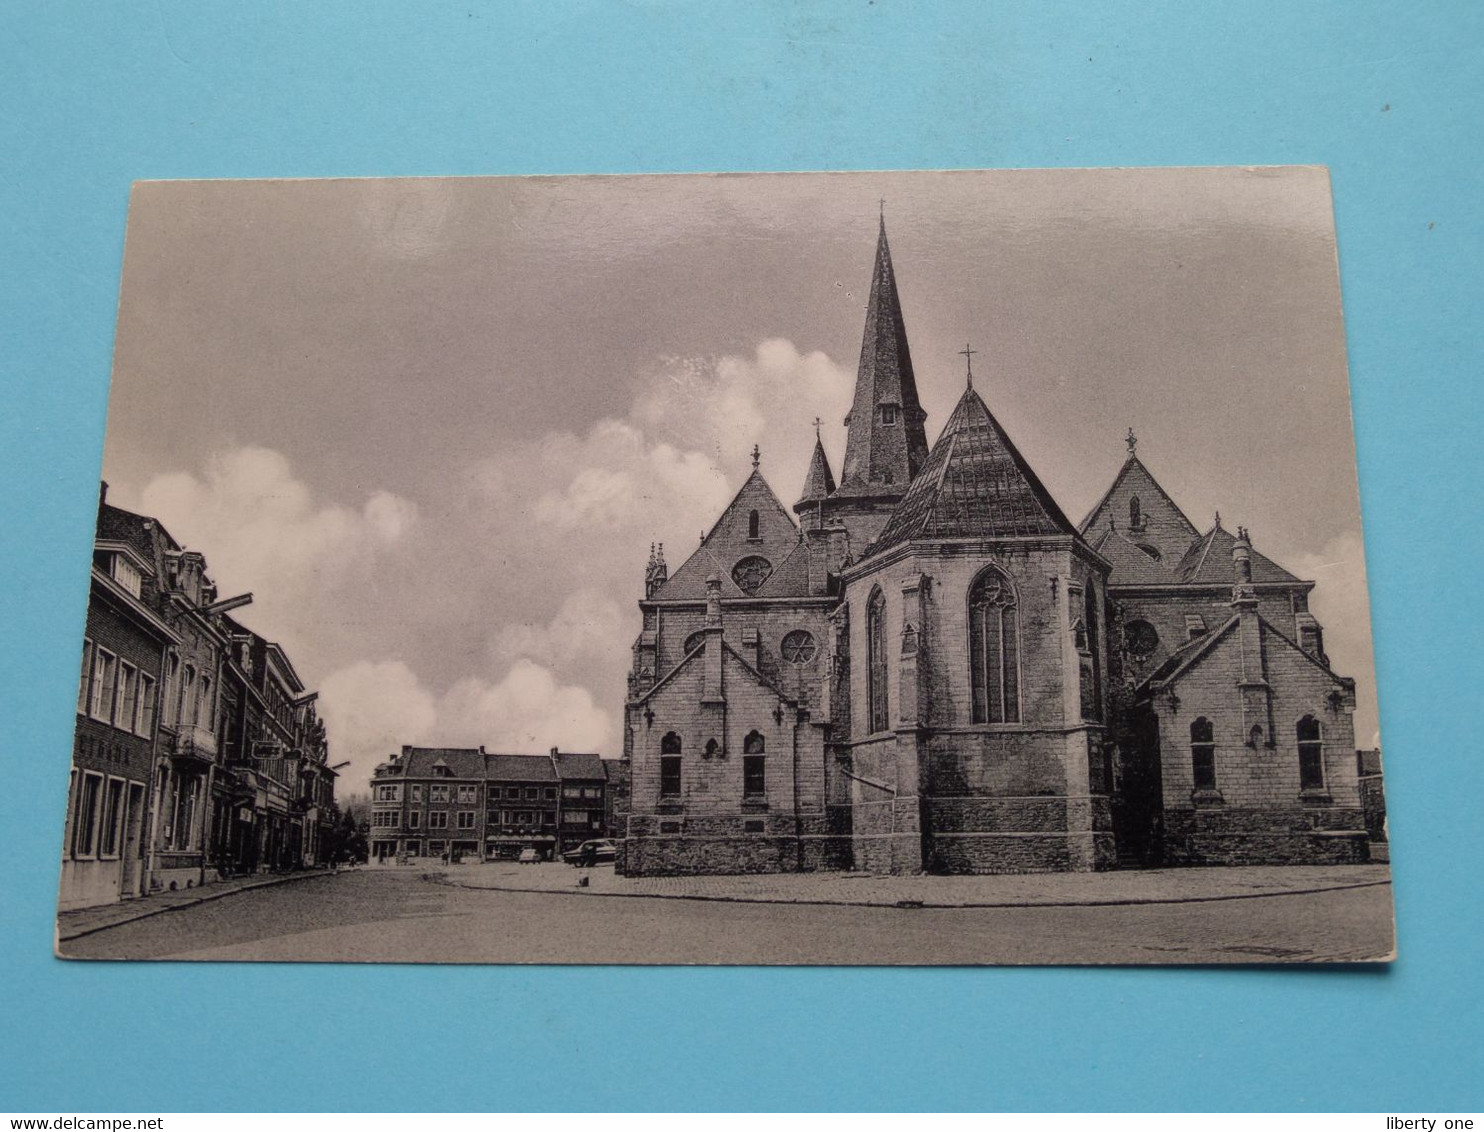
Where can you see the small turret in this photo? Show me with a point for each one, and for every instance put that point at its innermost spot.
(656, 573)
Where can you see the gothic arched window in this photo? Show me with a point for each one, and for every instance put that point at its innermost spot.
(1311, 754)
(1135, 513)
(1096, 700)
(1203, 754)
(695, 640)
(752, 525)
(754, 765)
(876, 661)
(994, 649)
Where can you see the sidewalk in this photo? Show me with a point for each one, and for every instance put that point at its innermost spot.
(1131, 886)
(86, 921)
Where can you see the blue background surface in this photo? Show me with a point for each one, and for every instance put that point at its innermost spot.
(1388, 95)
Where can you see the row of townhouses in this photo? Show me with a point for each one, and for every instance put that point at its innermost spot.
(198, 752)
(469, 802)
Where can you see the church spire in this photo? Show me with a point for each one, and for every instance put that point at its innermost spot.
(819, 481)
(886, 445)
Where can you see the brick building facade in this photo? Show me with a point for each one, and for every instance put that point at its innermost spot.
(933, 669)
(478, 804)
(167, 789)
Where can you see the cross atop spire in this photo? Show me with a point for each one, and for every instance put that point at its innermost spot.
(756, 457)
(1132, 441)
(817, 423)
(968, 353)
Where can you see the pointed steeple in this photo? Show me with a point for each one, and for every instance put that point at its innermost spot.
(819, 482)
(886, 446)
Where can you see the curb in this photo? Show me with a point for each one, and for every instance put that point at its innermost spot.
(207, 895)
(914, 905)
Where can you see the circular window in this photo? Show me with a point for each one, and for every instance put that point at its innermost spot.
(1140, 638)
(798, 647)
(751, 572)
(694, 641)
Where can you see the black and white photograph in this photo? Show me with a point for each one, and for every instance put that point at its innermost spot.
(910, 568)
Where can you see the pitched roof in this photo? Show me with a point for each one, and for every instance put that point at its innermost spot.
(819, 481)
(729, 542)
(462, 762)
(574, 765)
(1183, 659)
(975, 484)
(518, 768)
(1132, 565)
(878, 453)
(1209, 562)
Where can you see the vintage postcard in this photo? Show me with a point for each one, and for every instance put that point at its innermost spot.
(840, 568)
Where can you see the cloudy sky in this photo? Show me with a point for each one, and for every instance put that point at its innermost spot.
(434, 425)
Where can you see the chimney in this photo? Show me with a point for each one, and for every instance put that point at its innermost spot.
(102, 494)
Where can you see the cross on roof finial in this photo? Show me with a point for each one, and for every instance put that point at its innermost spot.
(756, 457)
(1132, 441)
(883, 210)
(817, 423)
(968, 353)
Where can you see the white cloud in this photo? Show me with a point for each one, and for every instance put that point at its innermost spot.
(261, 529)
(373, 708)
(589, 625)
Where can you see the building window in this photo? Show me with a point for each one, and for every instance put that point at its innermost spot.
(669, 827)
(994, 649)
(888, 414)
(437, 793)
(752, 827)
(417, 791)
(85, 827)
(438, 819)
(126, 574)
(466, 795)
(695, 641)
(113, 815)
(207, 714)
(146, 724)
(414, 819)
(532, 793)
(1135, 514)
(389, 793)
(1140, 638)
(188, 697)
(798, 647)
(1311, 754)
(87, 672)
(549, 794)
(592, 791)
(752, 525)
(754, 763)
(128, 703)
(466, 819)
(105, 670)
(751, 572)
(1151, 552)
(670, 764)
(512, 792)
(574, 792)
(1203, 754)
(876, 662)
(1195, 626)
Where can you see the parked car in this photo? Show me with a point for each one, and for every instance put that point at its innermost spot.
(600, 852)
(528, 857)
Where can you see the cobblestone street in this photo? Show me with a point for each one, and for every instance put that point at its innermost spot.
(407, 915)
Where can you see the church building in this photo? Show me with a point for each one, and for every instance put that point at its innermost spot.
(927, 667)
